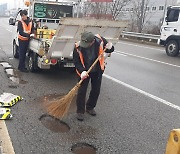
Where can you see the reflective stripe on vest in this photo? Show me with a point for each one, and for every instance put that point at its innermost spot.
(80, 56)
(101, 51)
(26, 29)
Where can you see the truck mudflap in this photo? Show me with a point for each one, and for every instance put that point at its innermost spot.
(161, 42)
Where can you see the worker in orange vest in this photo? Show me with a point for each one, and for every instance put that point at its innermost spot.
(25, 31)
(85, 53)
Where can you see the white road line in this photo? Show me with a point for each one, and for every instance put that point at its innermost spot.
(140, 46)
(147, 58)
(120, 54)
(143, 92)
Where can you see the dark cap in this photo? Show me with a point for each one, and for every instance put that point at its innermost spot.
(23, 12)
(86, 39)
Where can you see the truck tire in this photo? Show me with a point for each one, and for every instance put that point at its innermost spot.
(33, 62)
(172, 48)
(15, 50)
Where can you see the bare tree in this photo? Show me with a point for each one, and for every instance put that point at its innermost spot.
(141, 13)
(116, 7)
(105, 9)
(96, 9)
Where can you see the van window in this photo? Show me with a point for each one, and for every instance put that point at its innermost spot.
(172, 15)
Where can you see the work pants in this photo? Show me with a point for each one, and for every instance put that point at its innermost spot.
(96, 79)
(23, 46)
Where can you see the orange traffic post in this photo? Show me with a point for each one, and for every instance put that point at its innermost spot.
(173, 144)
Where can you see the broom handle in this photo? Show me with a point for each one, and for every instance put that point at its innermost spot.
(92, 66)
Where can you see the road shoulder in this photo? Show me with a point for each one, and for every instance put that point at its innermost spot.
(5, 141)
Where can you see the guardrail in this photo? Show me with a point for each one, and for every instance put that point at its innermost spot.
(140, 35)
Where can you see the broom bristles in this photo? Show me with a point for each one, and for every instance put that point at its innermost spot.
(59, 108)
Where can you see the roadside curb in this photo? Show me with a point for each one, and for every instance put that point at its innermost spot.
(5, 141)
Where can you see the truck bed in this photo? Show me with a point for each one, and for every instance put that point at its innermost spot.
(70, 29)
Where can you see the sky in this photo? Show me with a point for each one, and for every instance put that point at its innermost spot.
(12, 3)
(20, 3)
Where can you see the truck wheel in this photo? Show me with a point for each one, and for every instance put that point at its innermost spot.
(172, 48)
(15, 50)
(33, 62)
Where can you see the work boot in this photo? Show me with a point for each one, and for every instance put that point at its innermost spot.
(91, 112)
(24, 70)
(80, 116)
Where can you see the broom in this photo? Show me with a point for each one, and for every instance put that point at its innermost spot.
(59, 108)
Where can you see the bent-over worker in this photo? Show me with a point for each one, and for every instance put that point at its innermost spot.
(85, 53)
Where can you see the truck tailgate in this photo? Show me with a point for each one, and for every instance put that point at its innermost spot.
(70, 29)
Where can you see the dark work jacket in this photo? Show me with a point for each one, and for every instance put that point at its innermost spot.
(20, 28)
(89, 57)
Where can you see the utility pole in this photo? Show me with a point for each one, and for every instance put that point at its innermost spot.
(141, 16)
(78, 8)
(165, 7)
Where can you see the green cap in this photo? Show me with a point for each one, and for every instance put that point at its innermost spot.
(86, 39)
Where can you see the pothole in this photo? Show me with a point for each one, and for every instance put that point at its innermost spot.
(54, 124)
(83, 148)
(52, 97)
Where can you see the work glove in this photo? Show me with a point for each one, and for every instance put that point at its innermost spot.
(32, 35)
(106, 55)
(84, 75)
(109, 45)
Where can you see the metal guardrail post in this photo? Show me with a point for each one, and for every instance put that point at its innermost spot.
(140, 35)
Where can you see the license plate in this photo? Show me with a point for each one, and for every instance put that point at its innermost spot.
(69, 65)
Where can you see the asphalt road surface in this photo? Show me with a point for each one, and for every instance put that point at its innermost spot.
(137, 108)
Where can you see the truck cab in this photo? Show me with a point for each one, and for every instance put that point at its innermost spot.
(170, 31)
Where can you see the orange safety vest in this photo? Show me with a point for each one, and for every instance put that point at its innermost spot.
(101, 51)
(26, 29)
